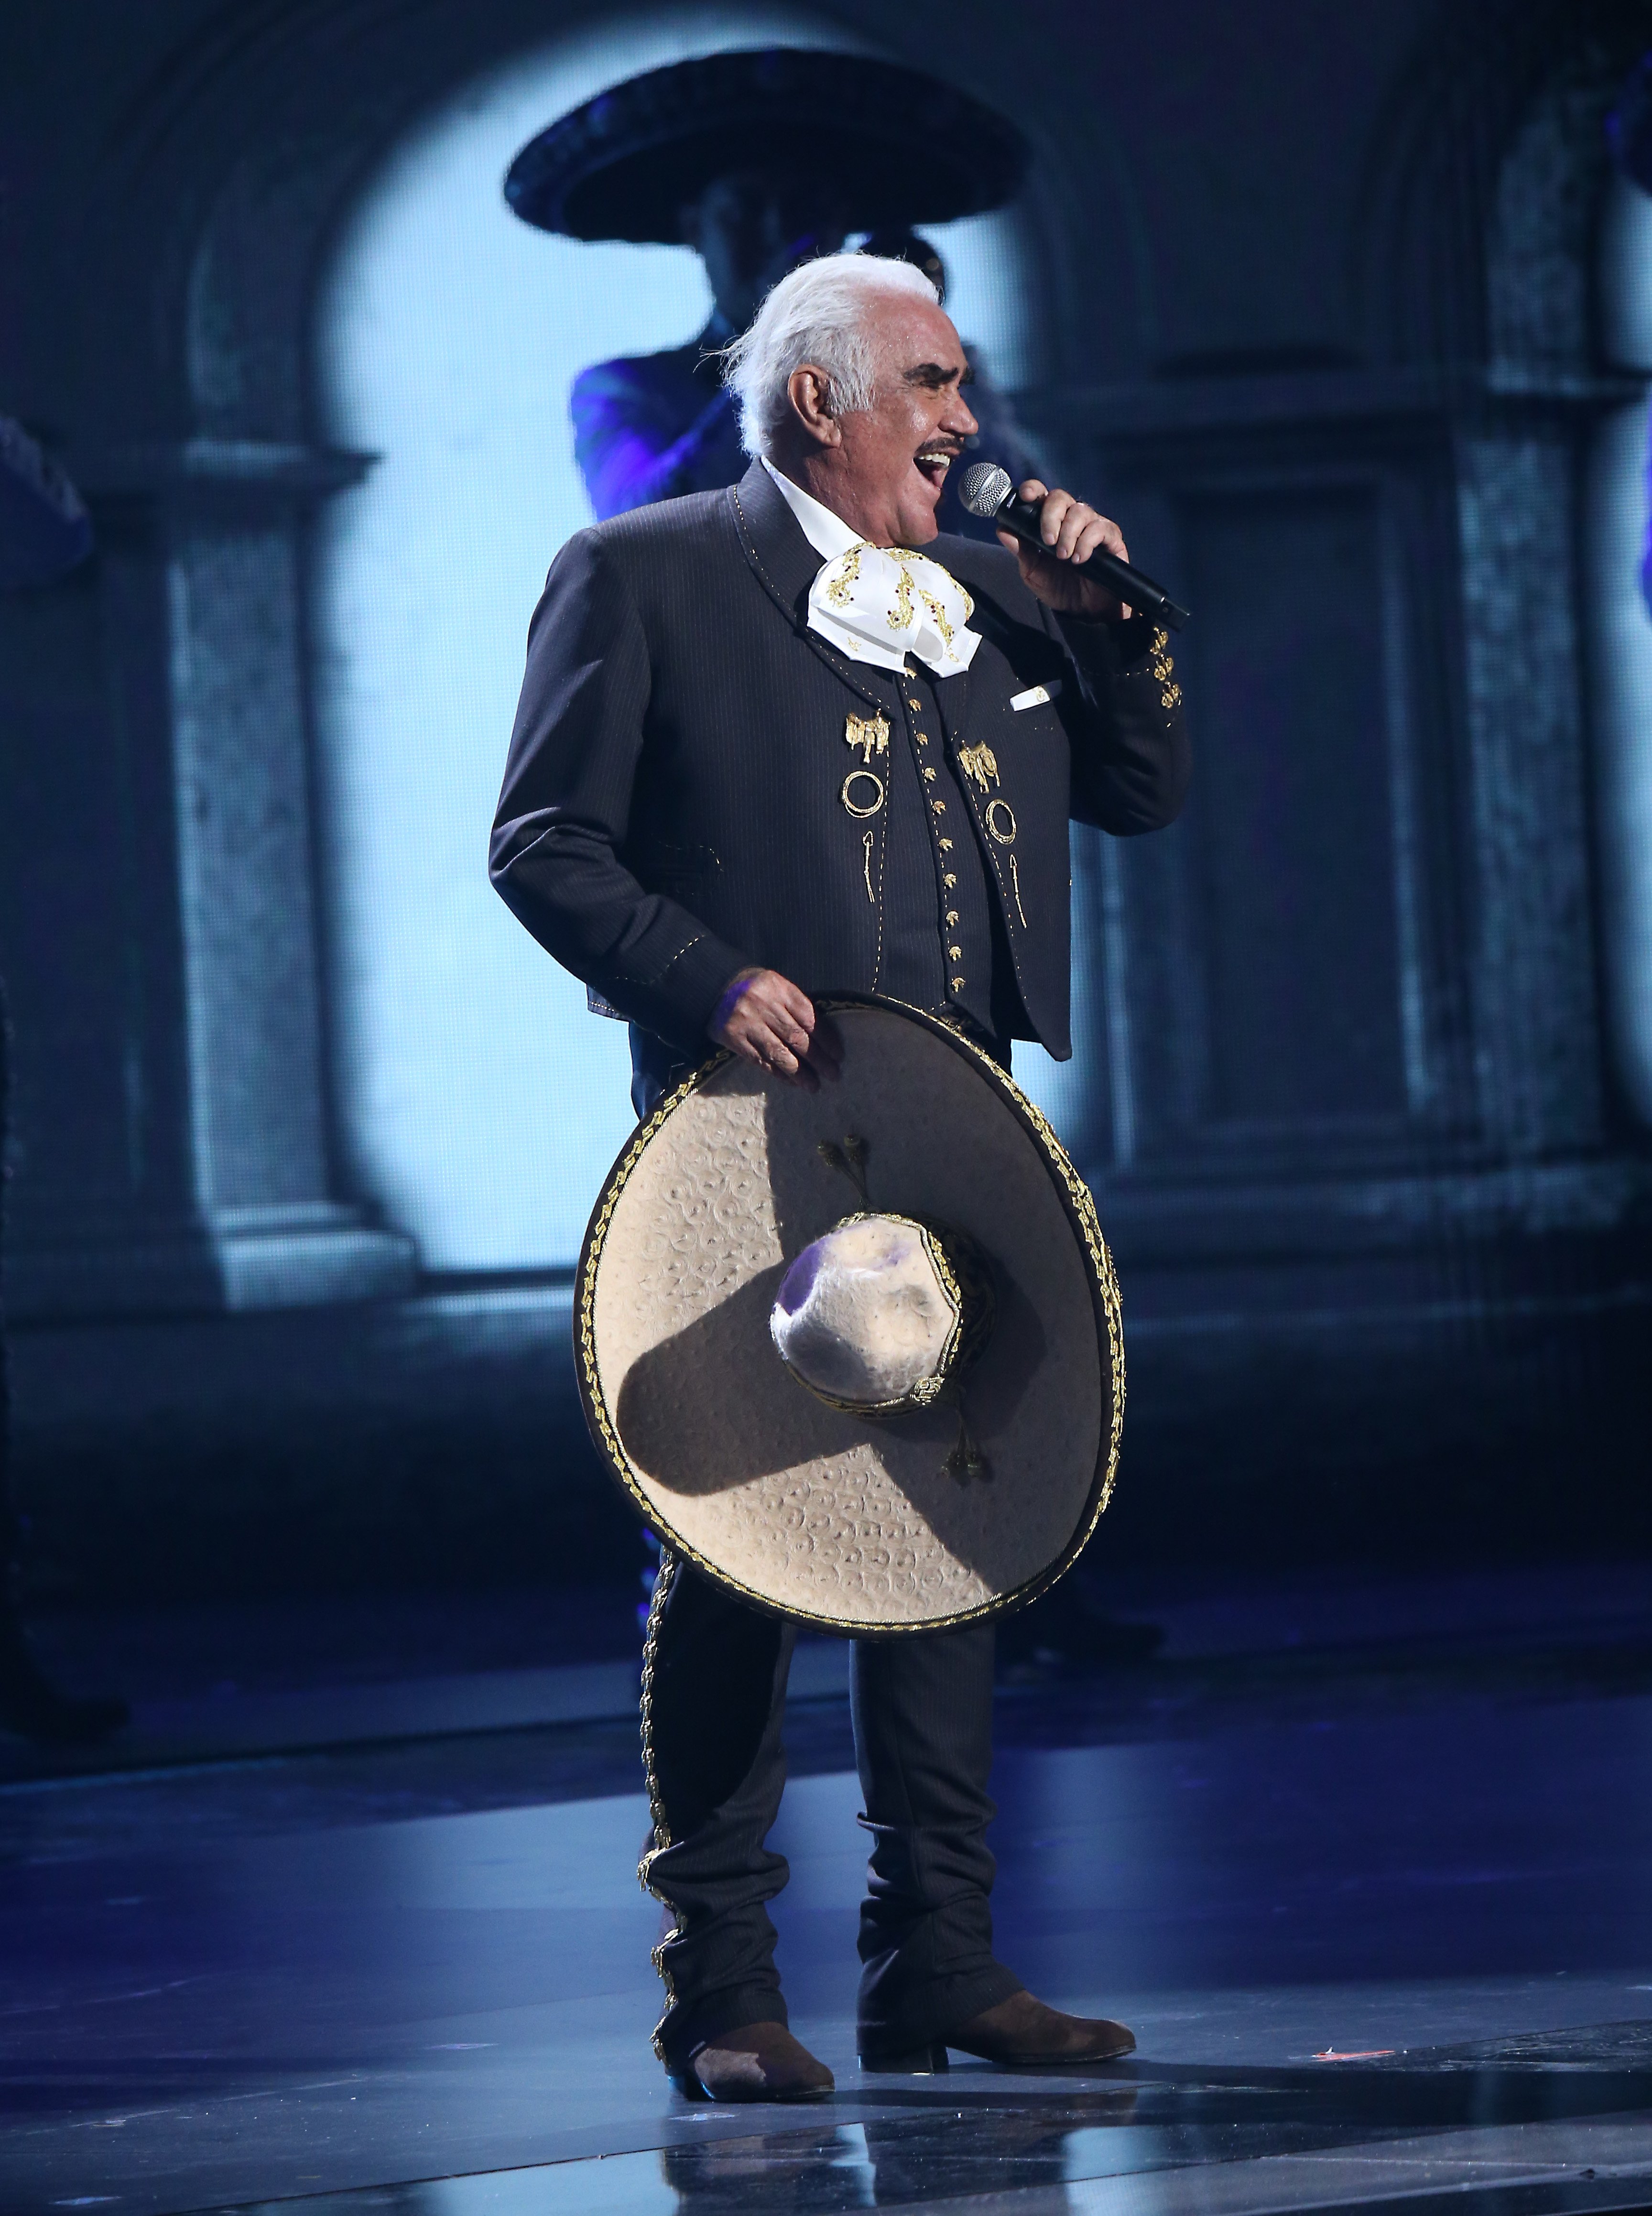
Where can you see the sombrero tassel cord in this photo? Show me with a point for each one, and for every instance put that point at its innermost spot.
(966, 1459)
(850, 1159)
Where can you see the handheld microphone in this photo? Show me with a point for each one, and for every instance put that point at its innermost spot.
(986, 491)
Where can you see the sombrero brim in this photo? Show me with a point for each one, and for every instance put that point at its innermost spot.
(846, 1524)
(895, 146)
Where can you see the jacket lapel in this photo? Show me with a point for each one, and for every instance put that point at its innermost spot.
(786, 565)
(952, 700)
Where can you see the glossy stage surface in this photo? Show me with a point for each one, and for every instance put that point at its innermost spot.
(1368, 1870)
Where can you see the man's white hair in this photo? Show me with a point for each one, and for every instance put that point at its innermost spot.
(818, 314)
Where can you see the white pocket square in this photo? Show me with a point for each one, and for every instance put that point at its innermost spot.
(1036, 696)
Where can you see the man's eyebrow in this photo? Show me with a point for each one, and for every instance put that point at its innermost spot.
(937, 372)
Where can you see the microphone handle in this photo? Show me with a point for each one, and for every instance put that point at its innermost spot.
(1021, 518)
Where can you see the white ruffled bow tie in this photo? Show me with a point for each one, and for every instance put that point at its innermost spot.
(879, 603)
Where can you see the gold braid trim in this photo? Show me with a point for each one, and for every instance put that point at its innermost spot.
(1112, 1307)
(662, 1584)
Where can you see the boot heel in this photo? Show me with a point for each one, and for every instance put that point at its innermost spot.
(926, 2061)
(686, 2082)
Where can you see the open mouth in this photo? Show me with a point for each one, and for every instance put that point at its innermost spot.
(934, 463)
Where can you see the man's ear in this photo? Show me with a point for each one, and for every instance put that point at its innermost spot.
(809, 391)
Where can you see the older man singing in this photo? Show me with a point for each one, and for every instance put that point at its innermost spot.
(766, 751)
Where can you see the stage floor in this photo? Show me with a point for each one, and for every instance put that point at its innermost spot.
(1380, 1913)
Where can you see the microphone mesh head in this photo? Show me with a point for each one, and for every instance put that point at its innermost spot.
(983, 489)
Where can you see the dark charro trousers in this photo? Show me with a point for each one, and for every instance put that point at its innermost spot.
(715, 1694)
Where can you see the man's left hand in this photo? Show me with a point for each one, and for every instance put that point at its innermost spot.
(1071, 531)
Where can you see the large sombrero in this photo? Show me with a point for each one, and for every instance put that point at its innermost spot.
(856, 1353)
(897, 146)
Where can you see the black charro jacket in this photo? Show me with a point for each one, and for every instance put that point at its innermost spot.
(672, 807)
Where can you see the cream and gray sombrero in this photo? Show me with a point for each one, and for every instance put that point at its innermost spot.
(856, 1353)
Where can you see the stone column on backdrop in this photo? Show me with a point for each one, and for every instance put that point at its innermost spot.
(224, 1193)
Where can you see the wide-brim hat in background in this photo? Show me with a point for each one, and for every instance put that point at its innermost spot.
(866, 1522)
(897, 146)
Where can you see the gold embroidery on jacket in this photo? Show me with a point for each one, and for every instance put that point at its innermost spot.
(1164, 669)
(868, 735)
(981, 764)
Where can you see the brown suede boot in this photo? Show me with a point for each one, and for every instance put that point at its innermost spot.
(758, 2062)
(1018, 2034)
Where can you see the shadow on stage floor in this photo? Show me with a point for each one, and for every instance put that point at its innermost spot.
(1367, 1865)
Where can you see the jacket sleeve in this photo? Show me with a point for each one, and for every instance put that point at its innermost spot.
(565, 807)
(1131, 760)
